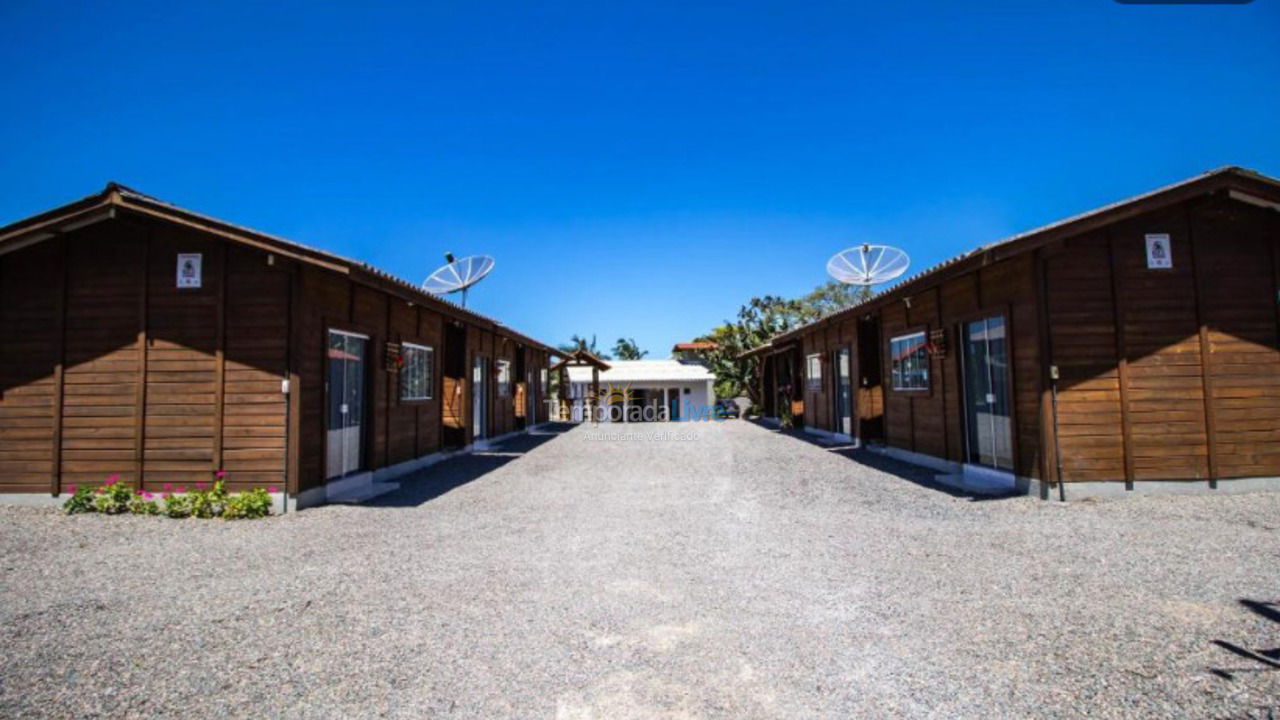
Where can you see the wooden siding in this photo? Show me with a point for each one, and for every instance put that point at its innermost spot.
(1168, 374)
(143, 380)
(930, 421)
(30, 339)
(106, 367)
(1164, 374)
(255, 412)
(1239, 298)
(104, 323)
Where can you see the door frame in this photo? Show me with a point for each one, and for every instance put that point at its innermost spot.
(1005, 313)
(351, 329)
(485, 395)
(836, 399)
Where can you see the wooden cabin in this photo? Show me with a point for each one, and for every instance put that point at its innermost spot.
(1130, 348)
(141, 339)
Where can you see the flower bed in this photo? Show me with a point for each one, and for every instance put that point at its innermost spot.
(116, 498)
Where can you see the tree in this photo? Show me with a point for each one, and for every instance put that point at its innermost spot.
(758, 321)
(831, 297)
(579, 343)
(627, 349)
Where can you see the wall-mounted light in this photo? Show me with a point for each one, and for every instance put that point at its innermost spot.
(907, 302)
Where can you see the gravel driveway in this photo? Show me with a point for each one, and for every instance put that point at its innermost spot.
(717, 571)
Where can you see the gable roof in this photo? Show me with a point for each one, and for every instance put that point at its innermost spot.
(116, 199)
(579, 358)
(1240, 183)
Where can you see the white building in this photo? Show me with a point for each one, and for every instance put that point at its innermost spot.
(647, 391)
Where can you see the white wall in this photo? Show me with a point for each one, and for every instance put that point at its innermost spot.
(701, 394)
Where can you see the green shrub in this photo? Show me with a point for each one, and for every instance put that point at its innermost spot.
(81, 500)
(247, 505)
(177, 505)
(113, 498)
(144, 504)
(208, 503)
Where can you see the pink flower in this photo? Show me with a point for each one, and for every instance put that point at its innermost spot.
(164, 495)
(146, 495)
(112, 480)
(168, 486)
(273, 489)
(200, 485)
(71, 488)
(220, 473)
(181, 489)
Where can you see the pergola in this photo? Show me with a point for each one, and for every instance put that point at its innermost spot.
(579, 358)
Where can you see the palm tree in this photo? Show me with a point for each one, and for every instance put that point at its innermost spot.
(627, 349)
(580, 343)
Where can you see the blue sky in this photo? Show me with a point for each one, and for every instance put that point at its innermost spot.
(637, 169)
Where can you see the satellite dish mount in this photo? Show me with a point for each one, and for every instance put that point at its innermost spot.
(458, 275)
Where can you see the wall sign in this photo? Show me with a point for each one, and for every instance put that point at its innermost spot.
(938, 342)
(1159, 251)
(394, 357)
(190, 269)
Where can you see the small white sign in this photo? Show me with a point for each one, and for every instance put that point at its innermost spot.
(190, 269)
(1159, 251)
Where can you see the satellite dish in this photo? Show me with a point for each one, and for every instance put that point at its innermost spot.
(868, 265)
(458, 275)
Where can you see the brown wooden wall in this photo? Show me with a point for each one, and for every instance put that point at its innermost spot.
(397, 430)
(30, 336)
(931, 421)
(106, 367)
(133, 376)
(1169, 374)
(1164, 374)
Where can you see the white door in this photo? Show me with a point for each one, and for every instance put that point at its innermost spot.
(479, 398)
(986, 386)
(345, 382)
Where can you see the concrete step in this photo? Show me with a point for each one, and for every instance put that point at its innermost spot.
(357, 495)
(975, 483)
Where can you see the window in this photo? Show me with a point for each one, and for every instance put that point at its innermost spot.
(504, 378)
(543, 382)
(909, 355)
(813, 377)
(417, 375)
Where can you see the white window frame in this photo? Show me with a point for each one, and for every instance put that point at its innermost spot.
(910, 374)
(813, 372)
(543, 381)
(504, 377)
(428, 367)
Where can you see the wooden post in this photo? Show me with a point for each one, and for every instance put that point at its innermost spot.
(220, 357)
(1048, 445)
(293, 452)
(595, 392)
(388, 391)
(1206, 358)
(59, 368)
(942, 374)
(1119, 314)
(140, 394)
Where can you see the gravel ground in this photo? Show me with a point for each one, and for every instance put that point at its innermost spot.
(741, 573)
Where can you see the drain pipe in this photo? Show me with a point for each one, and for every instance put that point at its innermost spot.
(1057, 447)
